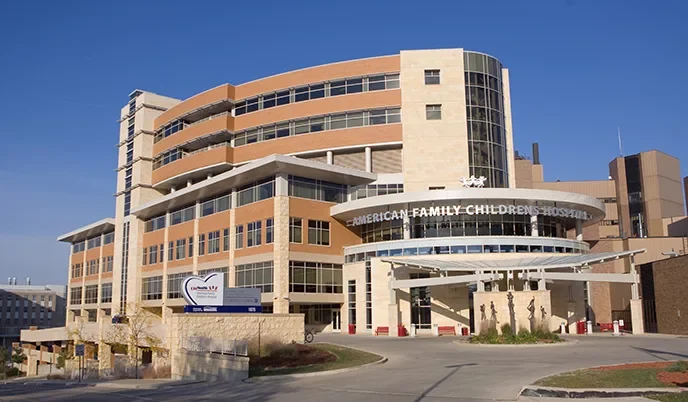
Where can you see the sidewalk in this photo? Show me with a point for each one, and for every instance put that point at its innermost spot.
(119, 384)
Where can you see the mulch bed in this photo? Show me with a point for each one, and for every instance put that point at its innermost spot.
(294, 355)
(678, 379)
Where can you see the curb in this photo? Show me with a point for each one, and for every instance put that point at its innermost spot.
(552, 392)
(567, 342)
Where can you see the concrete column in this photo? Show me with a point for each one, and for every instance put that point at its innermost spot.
(480, 285)
(189, 183)
(558, 227)
(209, 175)
(534, 232)
(393, 307)
(281, 184)
(281, 250)
(637, 316)
(368, 159)
(579, 230)
(172, 190)
(526, 283)
(330, 158)
(542, 285)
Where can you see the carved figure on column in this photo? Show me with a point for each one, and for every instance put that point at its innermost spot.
(483, 317)
(512, 313)
(493, 313)
(543, 313)
(531, 309)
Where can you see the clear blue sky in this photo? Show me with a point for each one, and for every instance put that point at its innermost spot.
(578, 70)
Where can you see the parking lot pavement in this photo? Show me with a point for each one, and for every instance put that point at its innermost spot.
(421, 369)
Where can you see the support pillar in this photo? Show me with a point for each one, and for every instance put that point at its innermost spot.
(534, 231)
(406, 225)
(637, 316)
(579, 230)
(571, 316)
(393, 306)
(281, 246)
(368, 159)
(330, 158)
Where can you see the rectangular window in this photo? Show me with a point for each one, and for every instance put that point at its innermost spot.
(191, 247)
(181, 249)
(269, 230)
(127, 203)
(170, 251)
(74, 295)
(433, 112)
(162, 253)
(107, 264)
(318, 232)
(93, 243)
(106, 293)
(91, 294)
(432, 77)
(255, 192)
(183, 215)
(144, 260)
(78, 247)
(295, 230)
(151, 288)
(215, 205)
(239, 237)
(317, 189)
(108, 238)
(253, 237)
(156, 223)
(315, 277)
(214, 242)
(153, 255)
(256, 275)
(225, 239)
(174, 284)
(201, 244)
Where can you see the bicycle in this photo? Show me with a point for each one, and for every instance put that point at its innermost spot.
(308, 336)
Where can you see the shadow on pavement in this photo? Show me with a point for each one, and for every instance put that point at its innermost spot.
(455, 368)
(656, 353)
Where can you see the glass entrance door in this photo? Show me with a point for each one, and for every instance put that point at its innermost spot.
(336, 321)
(421, 305)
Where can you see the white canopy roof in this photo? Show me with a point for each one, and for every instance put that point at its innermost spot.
(536, 263)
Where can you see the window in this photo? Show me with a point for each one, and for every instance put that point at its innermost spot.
(162, 253)
(92, 267)
(315, 277)
(74, 295)
(106, 293)
(153, 255)
(214, 242)
(151, 288)
(256, 275)
(318, 232)
(91, 294)
(269, 230)
(108, 238)
(432, 77)
(295, 230)
(373, 190)
(255, 192)
(144, 260)
(433, 112)
(170, 251)
(225, 239)
(201, 244)
(182, 215)
(181, 249)
(153, 224)
(93, 243)
(168, 129)
(239, 237)
(190, 247)
(253, 233)
(174, 284)
(78, 247)
(316, 189)
(107, 264)
(224, 270)
(215, 205)
(77, 270)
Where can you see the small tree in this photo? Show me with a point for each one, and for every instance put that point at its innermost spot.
(136, 330)
(62, 358)
(4, 359)
(18, 356)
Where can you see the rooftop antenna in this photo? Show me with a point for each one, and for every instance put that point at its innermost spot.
(618, 129)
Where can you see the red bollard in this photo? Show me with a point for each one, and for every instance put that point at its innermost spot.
(352, 329)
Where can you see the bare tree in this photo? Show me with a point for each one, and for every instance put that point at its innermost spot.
(136, 331)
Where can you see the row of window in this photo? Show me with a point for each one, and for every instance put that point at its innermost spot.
(94, 242)
(92, 267)
(318, 231)
(90, 294)
(373, 190)
(315, 277)
(462, 249)
(318, 123)
(317, 91)
(317, 189)
(209, 207)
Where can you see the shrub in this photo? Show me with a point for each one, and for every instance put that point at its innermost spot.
(13, 372)
(678, 367)
(506, 330)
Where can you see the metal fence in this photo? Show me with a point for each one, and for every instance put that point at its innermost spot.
(213, 345)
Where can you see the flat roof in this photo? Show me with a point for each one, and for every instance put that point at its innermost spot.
(532, 263)
(96, 228)
(251, 172)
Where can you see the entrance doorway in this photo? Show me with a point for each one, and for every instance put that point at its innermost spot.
(421, 305)
(336, 321)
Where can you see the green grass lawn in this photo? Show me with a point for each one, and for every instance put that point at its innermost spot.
(631, 378)
(346, 357)
(677, 397)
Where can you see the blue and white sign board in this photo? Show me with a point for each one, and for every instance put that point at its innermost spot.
(79, 349)
(208, 295)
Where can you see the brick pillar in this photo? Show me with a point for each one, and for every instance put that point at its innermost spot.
(281, 246)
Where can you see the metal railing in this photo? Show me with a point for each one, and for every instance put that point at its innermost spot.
(234, 347)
